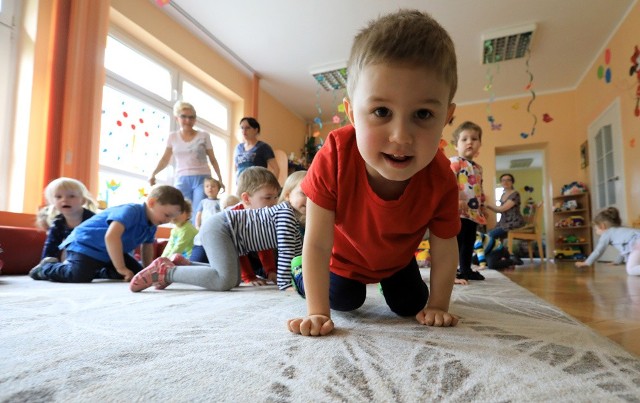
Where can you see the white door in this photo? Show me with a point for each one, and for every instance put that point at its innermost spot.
(606, 167)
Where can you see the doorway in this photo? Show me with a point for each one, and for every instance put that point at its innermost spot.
(528, 169)
(606, 167)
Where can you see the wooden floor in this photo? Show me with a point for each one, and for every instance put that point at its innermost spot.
(603, 297)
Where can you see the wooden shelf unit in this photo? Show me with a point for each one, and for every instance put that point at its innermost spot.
(582, 231)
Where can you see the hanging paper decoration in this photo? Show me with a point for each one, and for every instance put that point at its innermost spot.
(529, 87)
(605, 71)
(635, 61)
(142, 193)
(632, 143)
(162, 3)
(547, 118)
(336, 119)
(489, 85)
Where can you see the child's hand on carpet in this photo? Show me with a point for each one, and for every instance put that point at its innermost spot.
(126, 273)
(436, 317)
(312, 325)
(461, 281)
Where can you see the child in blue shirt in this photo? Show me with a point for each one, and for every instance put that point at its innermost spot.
(98, 248)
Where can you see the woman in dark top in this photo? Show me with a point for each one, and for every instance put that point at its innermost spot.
(509, 208)
(253, 152)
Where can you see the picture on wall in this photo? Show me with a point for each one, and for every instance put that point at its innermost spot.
(584, 155)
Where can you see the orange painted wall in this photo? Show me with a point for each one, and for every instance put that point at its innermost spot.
(593, 96)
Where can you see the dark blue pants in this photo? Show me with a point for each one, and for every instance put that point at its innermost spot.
(198, 254)
(466, 239)
(405, 292)
(80, 268)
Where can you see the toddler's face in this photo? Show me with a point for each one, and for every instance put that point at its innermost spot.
(298, 200)
(264, 197)
(468, 144)
(68, 201)
(180, 218)
(211, 189)
(161, 213)
(398, 112)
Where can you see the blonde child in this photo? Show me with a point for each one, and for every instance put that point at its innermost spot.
(182, 235)
(258, 188)
(209, 205)
(375, 187)
(69, 205)
(98, 248)
(229, 201)
(467, 139)
(230, 234)
(627, 240)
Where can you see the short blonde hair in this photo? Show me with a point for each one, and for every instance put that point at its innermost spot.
(180, 106)
(406, 36)
(229, 201)
(253, 179)
(47, 214)
(292, 181)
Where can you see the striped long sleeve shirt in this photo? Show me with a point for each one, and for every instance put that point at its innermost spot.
(268, 228)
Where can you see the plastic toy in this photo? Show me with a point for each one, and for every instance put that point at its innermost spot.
(568, 253)
(574, 188)
(478, 248)
(423, 257)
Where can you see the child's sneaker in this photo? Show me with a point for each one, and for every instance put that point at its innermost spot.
(36, 272)
(296, 273)
(154, 274)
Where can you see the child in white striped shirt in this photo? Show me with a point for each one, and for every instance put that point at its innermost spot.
(231, 233)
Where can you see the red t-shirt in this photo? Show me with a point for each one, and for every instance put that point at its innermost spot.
(374, 238)
(267, 258)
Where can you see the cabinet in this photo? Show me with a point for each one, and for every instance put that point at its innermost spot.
(572, 224)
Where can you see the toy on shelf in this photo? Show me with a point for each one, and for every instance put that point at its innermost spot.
(574, 188)
(571, 221)
(572, 252)
(567, 205)
(571, 239)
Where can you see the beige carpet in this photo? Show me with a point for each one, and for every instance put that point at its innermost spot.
(99, 342)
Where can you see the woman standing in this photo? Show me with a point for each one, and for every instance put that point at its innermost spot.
(191, 148)
(509, 208)
(253, 152)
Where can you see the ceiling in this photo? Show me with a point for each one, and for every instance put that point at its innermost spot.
(283, 41)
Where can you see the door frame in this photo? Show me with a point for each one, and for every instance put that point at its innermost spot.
(611, 115)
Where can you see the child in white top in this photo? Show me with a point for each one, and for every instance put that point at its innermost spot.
(211, 204)
(232, 233)
(627, 240)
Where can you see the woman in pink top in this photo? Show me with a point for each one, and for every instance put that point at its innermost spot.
(191, 148)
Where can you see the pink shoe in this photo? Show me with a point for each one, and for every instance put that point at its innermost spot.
(179, 260)
(153, 274)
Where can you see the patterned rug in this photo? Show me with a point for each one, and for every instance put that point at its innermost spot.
(100, 342)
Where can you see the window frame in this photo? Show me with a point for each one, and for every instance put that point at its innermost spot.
(178, 77)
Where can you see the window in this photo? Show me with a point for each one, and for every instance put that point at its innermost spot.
(137, 68)
(137, 117)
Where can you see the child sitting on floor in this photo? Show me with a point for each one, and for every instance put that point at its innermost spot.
(70, 204)
(182, 235)
(98, 248)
